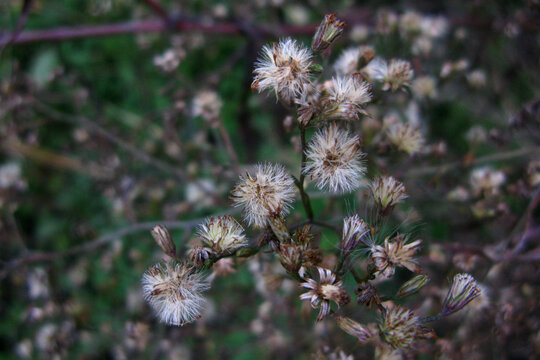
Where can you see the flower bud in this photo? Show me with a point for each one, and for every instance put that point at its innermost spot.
(164, 240)
(412, 286)
(328, 31)
(200, 256)
(353, 328)
(464, 290)
(291, 258)
(279, 229)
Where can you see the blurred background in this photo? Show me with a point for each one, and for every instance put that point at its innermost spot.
(116, 115)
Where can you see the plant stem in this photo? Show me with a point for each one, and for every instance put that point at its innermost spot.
(300, 183)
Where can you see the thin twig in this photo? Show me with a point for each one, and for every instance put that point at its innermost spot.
(300, 182)
(429, 170)
(38, 256)
(135, 152)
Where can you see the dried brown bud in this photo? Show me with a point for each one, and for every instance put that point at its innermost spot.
(328, 31)
(164, 240)
(367, 295)
(291, 258)
(280, 229)
(200, 256)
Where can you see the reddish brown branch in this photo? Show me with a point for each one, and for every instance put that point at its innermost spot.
(67, 33)
(157, 8)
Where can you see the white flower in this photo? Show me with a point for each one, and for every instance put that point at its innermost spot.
(267, 193)
(335, 160)
(285, 68)
(175, 293)
(222, 233)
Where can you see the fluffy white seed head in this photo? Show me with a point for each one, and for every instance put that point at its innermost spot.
(486, 180)
(335, 160)
(346, 98)
(405, 137)
(424, 87)
(349, 89)
(352, 59)
(207, 105)
(283, 67)
(222, 233)
(174, 293)
(394, 74)
(267, 192)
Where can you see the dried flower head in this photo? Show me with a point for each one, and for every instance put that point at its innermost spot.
(222, 233)
(353, 328)
(335, 160)
(353, 59)
(327, 32)
(346, 98)
(424, 87)
(396, 253)
(405, 137)
(354, 229)
(322, 292)
(395, 74)
(400, 327)
(410, 23)
(200, 255)
(291, 258)
(285, 68)
(267, 193)
(387, 192)
(486, 180)
(169, 60)
(464, 290)
(207, 105)
(367, 295)
(174, 292)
